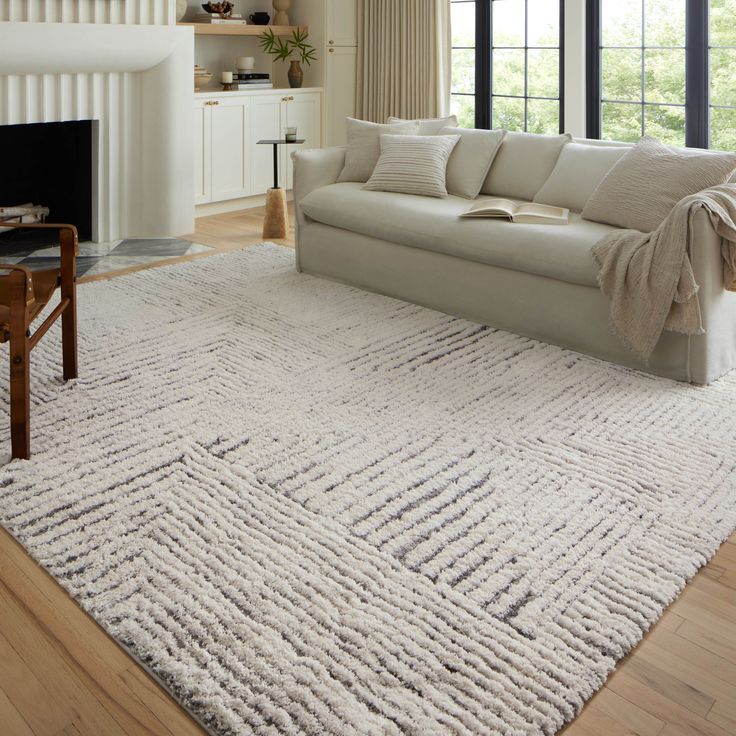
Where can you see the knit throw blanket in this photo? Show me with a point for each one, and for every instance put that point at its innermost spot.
(649, 276)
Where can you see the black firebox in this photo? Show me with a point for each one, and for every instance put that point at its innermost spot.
(49, 164)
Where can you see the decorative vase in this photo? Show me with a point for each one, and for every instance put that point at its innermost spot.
(181, 9)
(296, 75)
(281, 7)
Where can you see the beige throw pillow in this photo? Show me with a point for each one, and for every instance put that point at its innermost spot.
(579, 170)
(428, 126)
(413, 164)
(471, 159)
(643, 187)
(523, 164)
(364, 146)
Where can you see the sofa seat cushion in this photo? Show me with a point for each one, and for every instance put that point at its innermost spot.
(556, 251)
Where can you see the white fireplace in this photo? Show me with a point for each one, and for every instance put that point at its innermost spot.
(135, 83)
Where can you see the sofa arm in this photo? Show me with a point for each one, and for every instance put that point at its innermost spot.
(315, 168)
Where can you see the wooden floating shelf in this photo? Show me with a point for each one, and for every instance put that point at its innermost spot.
(217, 29)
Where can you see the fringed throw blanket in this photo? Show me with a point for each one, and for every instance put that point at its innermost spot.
(649, 276)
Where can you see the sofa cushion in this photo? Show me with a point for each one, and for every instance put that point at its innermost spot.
(364, 146)
(558, 252)
(579, 170)
(645, 185)
(471, 160)
(428, 126)
(524, 162)
(413, 164)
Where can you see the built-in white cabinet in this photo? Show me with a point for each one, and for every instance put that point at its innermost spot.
(229, 163)
(341, 22)
(340, 67)
(340, 89)
(231, 167)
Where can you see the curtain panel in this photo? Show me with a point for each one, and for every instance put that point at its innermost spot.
(403, 59)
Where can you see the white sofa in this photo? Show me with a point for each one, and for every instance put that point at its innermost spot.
(534, 280)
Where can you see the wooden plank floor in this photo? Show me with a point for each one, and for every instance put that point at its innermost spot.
(61, 675)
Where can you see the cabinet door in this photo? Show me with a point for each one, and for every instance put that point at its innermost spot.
(231, 171)
(202, 154)
(303, 111)
(267, 111)
(340, 87)
(342, 22)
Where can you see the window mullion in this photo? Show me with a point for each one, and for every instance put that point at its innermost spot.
(483, 64)
(593, 70)
(697, 112)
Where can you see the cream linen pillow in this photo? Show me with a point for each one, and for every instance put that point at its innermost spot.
(413, 164)
(523, 164)
(579, 170)
(643, 187)
(471, 159)
(364, 146)
(429, 126)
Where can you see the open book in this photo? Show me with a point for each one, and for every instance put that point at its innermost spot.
(528, 213)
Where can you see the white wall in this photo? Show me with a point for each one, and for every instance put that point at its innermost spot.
(246, 7)
(575, 67)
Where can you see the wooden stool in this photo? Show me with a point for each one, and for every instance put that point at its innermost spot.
(276, 221)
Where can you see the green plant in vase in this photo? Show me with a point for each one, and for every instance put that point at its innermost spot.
(285, 49)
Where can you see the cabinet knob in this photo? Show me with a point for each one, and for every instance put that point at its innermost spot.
(331, 43)
(291, 98)
(332, 51)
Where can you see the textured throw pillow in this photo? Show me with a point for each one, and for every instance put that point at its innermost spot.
(523, 164)
(471, 159)
(643, 187)
(579, 170)
(364, 146)
(428, 126)
(413, 164)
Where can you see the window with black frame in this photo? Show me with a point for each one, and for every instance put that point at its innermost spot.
(463, 61)
(663, 68)
(507, 64)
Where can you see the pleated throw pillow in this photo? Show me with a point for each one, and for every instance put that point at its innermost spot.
(364, 146)
(643, 187)
(413, 164)
(428, 126)
(471, 159)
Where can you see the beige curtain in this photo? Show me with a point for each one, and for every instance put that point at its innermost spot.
(403, 59)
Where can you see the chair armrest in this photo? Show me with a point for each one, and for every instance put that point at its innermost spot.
(24, 275)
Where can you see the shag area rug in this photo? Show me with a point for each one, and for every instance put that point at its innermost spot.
(314, 510)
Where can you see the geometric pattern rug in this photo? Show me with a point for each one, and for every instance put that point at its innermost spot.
(309, 509)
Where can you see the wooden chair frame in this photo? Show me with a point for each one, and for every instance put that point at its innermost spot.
(22, 311)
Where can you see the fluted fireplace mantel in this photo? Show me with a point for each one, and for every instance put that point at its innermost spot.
(135, 81)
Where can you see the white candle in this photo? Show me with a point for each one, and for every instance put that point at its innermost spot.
(227, 77)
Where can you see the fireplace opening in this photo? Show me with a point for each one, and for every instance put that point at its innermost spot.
(49, 164)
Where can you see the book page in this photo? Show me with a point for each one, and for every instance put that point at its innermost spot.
(540, 210)
(502, 206)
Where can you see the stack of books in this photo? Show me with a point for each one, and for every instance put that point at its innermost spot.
(252, 80)
(236, 19)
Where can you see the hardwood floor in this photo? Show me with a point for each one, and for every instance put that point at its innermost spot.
(61, 675)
